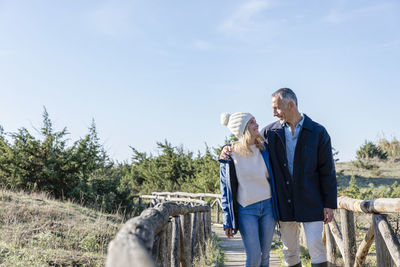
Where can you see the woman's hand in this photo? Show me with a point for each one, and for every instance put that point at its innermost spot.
(229, 232)
(226, 152)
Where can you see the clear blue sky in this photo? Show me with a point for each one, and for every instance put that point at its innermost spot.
(153, 70)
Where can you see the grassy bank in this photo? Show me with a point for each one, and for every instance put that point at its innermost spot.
(36, 230)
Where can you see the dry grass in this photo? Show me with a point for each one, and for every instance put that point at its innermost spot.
(39, 231)
(385, 174)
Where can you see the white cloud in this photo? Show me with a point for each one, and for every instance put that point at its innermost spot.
(243, 19)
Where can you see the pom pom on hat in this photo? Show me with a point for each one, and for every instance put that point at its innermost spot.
(236, 122)
(225, 118)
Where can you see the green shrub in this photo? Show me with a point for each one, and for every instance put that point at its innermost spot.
(365, 165)
(370, 150)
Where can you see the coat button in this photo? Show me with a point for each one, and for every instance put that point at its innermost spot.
(284, 164)
(287, 182)
(289, 201)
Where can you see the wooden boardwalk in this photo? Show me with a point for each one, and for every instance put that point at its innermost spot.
(234, 250)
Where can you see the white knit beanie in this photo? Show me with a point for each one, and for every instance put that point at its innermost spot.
(236, 122)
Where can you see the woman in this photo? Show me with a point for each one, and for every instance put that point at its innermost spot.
(247, 189)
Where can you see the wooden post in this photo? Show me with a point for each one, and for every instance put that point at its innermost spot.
(209, 224)
(156, 247)
(202, 240)
(337, 235)
(364, 247)
(330, 245)
(186, 242)
(217, 215)
(386, 242)
(349, 237)
(162, 252)
(193, 236)
(168, 244)
(175, 247)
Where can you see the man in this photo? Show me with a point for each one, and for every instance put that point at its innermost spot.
(303, 166)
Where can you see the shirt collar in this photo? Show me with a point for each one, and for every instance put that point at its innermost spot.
(300, 124)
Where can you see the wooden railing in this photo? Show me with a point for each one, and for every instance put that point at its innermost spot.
(168, 234)
(156, 197)
(174, 233)
(386, 241)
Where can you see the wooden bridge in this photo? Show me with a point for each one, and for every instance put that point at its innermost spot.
(173, 231)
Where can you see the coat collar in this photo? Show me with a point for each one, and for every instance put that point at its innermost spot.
(307, 124)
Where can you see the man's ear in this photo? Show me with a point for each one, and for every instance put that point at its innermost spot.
(291, 105)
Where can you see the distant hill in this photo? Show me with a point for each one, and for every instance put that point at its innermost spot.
(38, 231)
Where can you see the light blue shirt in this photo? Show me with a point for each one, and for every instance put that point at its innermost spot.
(291, 141)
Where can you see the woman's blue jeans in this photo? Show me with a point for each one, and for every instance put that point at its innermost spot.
(256, 224)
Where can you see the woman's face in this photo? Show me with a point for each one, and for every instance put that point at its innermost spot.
(253, 127)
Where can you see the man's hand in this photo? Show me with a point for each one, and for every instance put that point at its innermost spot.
(328, 215)
(226, 152)
(229, 232)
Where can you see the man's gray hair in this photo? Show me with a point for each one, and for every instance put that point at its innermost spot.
(286, 94)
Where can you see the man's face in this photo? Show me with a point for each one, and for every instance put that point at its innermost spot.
(280, 109)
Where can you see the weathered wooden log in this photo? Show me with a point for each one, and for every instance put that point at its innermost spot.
(208, 224)
(185, 194)
(337, 235)
(383, 257)
(194, 236)
(363, 249)
(349, 237)
(146, 226)
(156, 246)
(378, 205)
(330, 245)
(167, 198)
(186, 241)
(129, 250)
(391, 244)
(201, 234)
(217, 212)
(162, 252)
(175, 247)
(169, 244)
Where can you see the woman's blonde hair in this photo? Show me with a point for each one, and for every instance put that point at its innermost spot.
(242, 147)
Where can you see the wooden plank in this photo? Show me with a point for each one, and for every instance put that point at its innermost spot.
(349, 237)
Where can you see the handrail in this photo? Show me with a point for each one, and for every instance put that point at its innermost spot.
(169, 234)
(386, 242)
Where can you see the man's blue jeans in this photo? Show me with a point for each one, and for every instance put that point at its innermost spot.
(256, 224)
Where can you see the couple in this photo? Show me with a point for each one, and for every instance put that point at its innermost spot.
(284, 173)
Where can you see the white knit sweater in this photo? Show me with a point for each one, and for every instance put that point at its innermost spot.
(252, 176)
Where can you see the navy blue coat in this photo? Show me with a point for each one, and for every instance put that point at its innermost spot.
(313, 187)
(229, 186)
